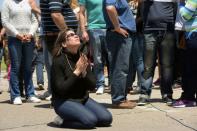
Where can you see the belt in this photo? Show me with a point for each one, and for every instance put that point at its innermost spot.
(51, 33)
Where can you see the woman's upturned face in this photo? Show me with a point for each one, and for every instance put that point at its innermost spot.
(72, 40)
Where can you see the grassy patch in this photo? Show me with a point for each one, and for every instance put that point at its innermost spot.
(3, 66)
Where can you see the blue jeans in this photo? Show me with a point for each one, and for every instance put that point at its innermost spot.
(99, 51)
(78, 115)
(119, 48)
(163, 43)
(1, 54)
(20, 52)
(48, 44)
(137, 59)
(189, 75)
(38, 62)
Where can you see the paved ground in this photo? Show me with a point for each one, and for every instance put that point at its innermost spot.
(153, 117)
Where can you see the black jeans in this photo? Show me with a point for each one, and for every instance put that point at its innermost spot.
(189, 76)
(163, 43)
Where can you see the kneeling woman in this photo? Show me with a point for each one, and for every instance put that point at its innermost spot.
(71, 78)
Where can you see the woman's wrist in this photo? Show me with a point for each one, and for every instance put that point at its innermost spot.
(77, 72)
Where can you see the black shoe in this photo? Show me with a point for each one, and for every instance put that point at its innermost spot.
(167, 99)
(40, 86)
(142, 101)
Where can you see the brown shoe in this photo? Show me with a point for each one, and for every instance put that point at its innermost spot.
(125, 105)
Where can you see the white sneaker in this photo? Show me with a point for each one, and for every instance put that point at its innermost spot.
(17, 101)
(58, 121)
(45, 96)
(33, 99)
(48, 98)
(100, 91)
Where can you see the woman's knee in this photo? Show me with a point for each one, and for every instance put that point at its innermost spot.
(105, 119)
(90, 121)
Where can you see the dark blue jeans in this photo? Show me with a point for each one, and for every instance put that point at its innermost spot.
(78, 115)
(189, 76)
(137, 60)
(99, 51)
(38, 63)
(20, 52)
(119, 48)
(163, 43)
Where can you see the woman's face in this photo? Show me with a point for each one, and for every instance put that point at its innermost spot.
(72, 40)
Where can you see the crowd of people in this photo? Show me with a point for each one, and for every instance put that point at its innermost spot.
(76, 39)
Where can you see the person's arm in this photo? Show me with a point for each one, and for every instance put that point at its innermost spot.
(82, 20)
(34, 7)
(187, 11)
(33, 28)
(5, 16)
(113, 16)
(59, 21)
(2, 33)
(55, 7)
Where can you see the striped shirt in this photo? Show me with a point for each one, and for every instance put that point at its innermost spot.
(189, 15)
(51, 6)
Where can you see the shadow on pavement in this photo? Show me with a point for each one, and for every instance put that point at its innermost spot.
(43, 106)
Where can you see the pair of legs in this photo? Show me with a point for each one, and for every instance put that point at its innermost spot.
(38, 63)
(48, 45)
(119, 48)
(137, 60)
(86, 115)
(20, 52)
(163, 43)
(189, 74)
(99, 53)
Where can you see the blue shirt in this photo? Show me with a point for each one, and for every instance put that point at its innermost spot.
(125, 15)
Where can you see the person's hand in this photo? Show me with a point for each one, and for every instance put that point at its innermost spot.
(20, 37)
(122, 32)
(85, 36)
(81, 66)
(28, 37)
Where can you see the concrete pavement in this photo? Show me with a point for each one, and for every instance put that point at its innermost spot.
(153, 117)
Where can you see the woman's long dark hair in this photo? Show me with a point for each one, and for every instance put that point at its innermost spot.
(61, 38)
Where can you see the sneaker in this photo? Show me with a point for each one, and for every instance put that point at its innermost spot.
(167, 99)
(58, 121)
(45, 96)
(48, 98)
(183, 103)
(125, 105)
(143, 100)
(17, 101)
(100, 90)
(40, 86)
(33, 99)
(156, 83)
(136, 90)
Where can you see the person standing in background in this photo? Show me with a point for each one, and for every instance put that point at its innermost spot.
(159, 18)
(188, 13)
(95, 34)
(20, 24)
(121, 29)
(56, 15)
